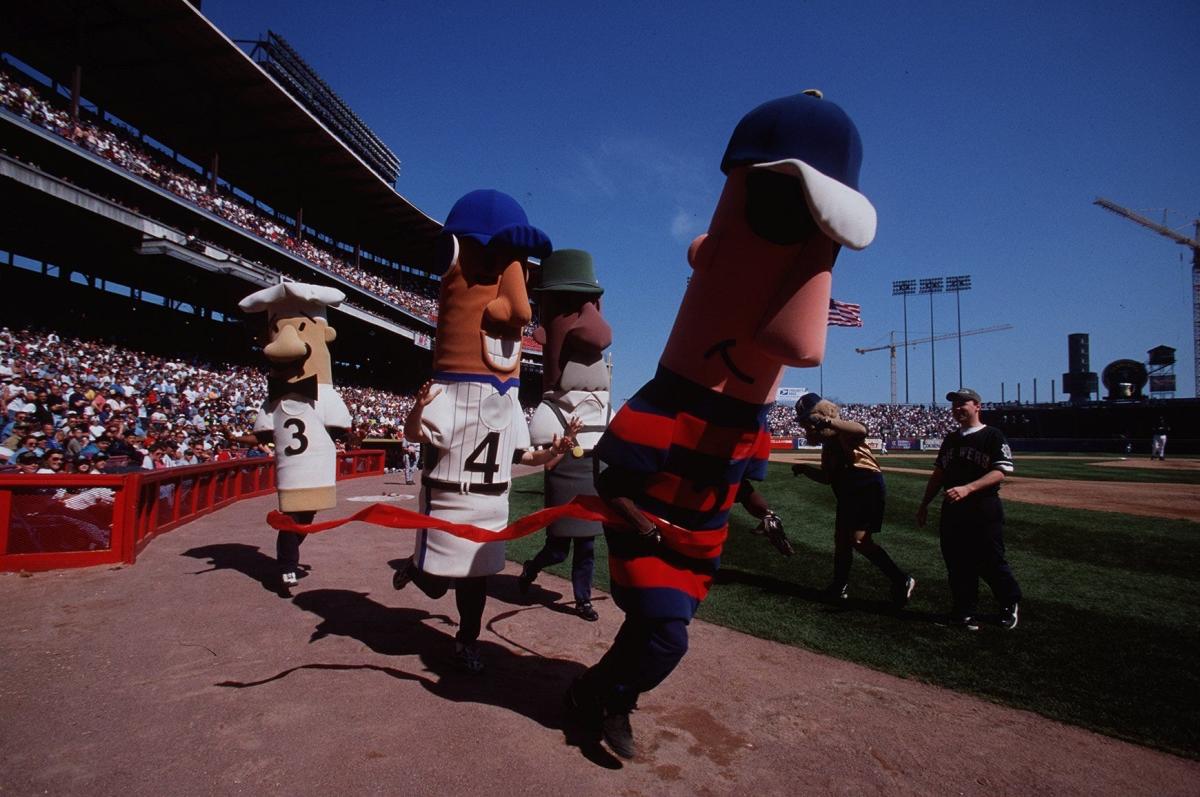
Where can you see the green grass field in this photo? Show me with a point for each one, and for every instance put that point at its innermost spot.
(1074, 467)
(1109, 625)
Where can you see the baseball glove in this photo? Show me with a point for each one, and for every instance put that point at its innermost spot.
(772, 527)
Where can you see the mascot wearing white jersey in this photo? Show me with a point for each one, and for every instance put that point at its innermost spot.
(302, 408)
(468, 415)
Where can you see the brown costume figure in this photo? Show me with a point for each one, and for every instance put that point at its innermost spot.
(302, 408)
(576, 381)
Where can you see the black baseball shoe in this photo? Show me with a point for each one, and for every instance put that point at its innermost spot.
(467, 658)
(403, 574)
(967, 623)
(902, 591)
(1008, 617)
(618, 733)
(290, 578)
(836, 592)
(585, 610)
(526, 579)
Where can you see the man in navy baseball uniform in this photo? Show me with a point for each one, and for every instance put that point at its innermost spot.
(971, 464)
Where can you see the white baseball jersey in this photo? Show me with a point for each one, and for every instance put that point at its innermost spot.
(474, 430)
(305, 455)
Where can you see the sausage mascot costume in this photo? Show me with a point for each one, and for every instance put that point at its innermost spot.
(467, 415)
(576, 381)
(677, 452)
(301, 408)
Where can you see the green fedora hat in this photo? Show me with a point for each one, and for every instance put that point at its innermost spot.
(569, 270)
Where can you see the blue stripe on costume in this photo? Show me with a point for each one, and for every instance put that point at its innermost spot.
(692, 489)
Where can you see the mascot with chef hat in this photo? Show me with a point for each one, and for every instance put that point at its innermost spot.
(302, 408)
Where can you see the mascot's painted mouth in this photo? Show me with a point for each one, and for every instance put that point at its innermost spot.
(722, 348)
(501, 354)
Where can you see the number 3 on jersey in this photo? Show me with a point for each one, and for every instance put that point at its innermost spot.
(487, 449)
(301, 442)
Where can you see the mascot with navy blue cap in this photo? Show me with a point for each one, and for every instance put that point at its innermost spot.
(467, 416)
(678, 451)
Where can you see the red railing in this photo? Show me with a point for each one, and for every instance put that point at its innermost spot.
(51, 522)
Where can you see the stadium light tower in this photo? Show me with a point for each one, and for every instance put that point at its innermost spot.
(957, 285)
(931, 285)
(904, 288)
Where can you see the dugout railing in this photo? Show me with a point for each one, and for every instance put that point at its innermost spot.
(51, 522)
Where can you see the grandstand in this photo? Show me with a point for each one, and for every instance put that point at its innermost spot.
(132, 200)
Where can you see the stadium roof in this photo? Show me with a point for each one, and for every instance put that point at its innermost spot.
(164, 68)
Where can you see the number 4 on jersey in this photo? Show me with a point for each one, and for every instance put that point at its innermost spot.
(487, 449)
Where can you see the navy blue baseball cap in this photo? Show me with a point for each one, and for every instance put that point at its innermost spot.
(804, 406)
(493, 216)
(814, 140)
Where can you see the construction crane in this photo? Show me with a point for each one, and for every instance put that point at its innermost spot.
(1191, 243)
(891, 346)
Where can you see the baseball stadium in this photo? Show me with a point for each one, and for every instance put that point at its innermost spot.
(214, 270)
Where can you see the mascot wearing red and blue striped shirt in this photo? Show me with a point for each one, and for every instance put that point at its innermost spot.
(680, 448)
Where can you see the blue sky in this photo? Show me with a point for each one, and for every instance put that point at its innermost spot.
(988, 131)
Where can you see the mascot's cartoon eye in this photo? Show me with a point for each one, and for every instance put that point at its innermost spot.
(302, 325)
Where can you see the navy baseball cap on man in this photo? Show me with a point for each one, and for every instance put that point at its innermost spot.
(488, 215)
(814, 140)
(964, 394)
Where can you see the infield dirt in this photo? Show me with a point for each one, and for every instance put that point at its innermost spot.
(188, 673)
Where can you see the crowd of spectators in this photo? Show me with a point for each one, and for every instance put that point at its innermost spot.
(417, 296)
(72, 405)
(889, 421)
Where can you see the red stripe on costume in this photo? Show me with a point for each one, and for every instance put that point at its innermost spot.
(648, 572)
(704, 437)
(680, 492)
(642, 428)
(762, 446)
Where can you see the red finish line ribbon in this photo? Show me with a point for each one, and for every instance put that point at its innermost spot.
(696, 544)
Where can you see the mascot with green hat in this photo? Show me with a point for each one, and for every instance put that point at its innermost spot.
(576, 382)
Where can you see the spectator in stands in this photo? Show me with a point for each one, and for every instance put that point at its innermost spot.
(52, 463)
(126, 447)
(27, 462)
(30, 444)
(18, 426)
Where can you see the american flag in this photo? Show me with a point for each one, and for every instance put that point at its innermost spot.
(844, 314)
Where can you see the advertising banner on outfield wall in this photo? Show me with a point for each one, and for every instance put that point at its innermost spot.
(790, 395)
(912, 444)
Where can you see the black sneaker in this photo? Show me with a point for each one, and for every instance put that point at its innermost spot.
(836, 592)
(618, 732)
(584, 609)
(967, 623)
(467, 658)
(526, 579)
(1008, 617)
(403, 574)
(902, 591)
